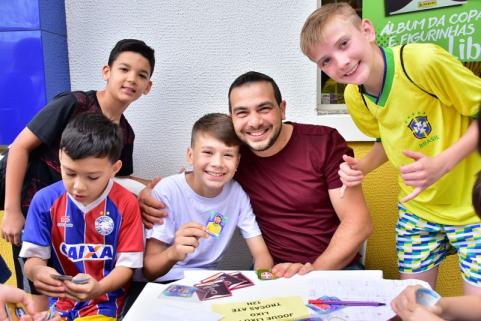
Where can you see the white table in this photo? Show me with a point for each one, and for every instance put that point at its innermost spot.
(150, 300)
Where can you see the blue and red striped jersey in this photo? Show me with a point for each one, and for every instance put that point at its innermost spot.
(92, 240)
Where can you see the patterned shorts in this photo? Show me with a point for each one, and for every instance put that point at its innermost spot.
(422, 245)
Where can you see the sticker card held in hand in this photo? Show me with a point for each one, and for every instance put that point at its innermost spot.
(70, 278)
(215, 224)
(427, 297)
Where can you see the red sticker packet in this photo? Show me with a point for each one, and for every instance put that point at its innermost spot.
(213, 290)
(221, 284)
(234, 280)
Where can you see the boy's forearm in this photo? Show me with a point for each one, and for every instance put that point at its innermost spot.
(32, 265)
(373, 159)
(117, 278)
(461, 149)
(158, 264)
(260, 253)
(466, 307)
(263, 262)
(16, 168)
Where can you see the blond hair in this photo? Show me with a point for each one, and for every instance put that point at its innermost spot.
(311, 33)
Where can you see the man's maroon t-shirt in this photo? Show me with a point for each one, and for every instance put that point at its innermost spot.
(289, 192)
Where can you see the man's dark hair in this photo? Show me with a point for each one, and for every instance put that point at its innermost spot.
(217, 125)
(133, 45)
(92, 135)
(251, 77)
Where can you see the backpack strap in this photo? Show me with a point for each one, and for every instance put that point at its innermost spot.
(362, 96)
(407, 75)
(405, 72)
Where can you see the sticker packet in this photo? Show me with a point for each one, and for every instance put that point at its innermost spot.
(214, 290)
(245, 280)
(179, 291)
(265, 274)
(231, 281)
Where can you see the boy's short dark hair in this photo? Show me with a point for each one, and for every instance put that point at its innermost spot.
(312, 34)
(133, 45)
(251, 77)
(217, 125)
(92, 135)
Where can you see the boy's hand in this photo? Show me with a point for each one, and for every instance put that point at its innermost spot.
(12, 225)
(85, 291)
(187, 240)
(422, 173)
(287, 270)
(408, 309)
(350, 173)
(153, 211)
(10, 294)
(46, 284)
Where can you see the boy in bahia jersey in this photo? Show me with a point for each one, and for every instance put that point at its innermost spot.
(85, 226)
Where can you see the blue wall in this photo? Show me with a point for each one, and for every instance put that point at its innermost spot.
(33, 60)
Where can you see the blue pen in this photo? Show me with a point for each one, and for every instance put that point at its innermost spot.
(347, 303)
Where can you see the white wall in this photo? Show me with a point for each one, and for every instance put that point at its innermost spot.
(201, 47)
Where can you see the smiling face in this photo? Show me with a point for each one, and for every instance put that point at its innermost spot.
(128, 77)
(346, 52)
(256, 115)
(85, 179)
(214, 164)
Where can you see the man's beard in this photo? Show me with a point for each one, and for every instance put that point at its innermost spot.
(269, 144)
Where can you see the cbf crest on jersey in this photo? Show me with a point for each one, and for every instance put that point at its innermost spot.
(420, 126)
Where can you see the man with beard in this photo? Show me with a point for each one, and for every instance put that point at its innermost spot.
(290, 172)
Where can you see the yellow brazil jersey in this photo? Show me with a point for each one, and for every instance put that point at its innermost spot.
(406, 118)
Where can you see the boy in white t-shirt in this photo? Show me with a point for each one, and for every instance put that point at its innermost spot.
(205, 206)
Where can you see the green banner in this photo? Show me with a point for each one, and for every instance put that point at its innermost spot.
(453, 24)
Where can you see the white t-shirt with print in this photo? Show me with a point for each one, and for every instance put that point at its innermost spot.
(185, 206)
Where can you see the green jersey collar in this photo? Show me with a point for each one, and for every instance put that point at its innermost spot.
(387, 80)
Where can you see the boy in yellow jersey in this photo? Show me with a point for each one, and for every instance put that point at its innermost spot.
(419, 102)
(466, 307)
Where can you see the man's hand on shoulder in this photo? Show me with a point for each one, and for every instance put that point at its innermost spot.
(153, 211)
(287, 270)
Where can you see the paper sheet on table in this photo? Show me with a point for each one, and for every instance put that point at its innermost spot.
(280, 308)
(181, 311)
(362, 290)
